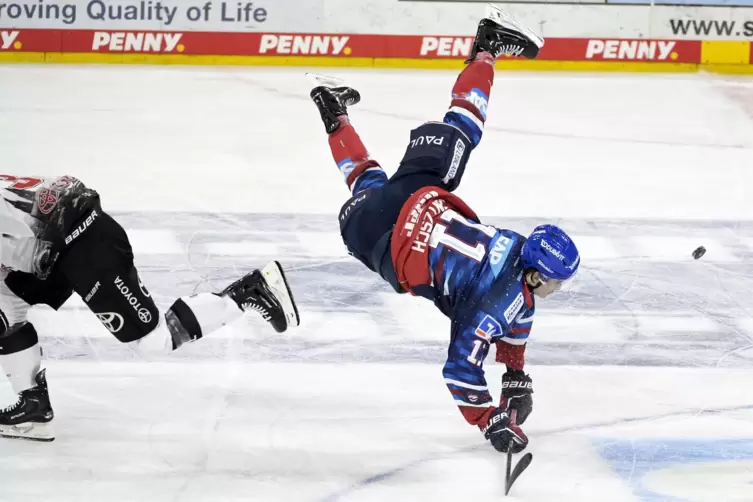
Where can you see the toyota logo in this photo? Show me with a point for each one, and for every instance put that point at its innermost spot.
(145, 316)
(111, 321)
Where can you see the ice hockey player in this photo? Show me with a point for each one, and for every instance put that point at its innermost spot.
(423, 239)
(56, 239)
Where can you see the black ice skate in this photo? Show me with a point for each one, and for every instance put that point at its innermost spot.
(31, 416)
(266, 292)
(499, 33)
(333, 102)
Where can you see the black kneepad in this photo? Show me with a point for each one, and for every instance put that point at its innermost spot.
(439, 149)
(18, 337)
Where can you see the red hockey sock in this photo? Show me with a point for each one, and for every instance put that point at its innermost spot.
(349, 152)
(473, 86)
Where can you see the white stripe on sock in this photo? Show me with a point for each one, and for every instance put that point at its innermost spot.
(468, 114)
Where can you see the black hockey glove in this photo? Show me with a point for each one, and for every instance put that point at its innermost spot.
(500, 430)
(517, 388)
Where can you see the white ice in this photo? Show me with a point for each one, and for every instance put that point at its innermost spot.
(642, 371)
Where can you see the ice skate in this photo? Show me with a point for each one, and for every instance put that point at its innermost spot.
(500, 33)
(266, 292)
(30, 418)
(333, 102)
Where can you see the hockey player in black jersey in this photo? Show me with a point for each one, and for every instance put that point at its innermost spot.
(55, 240)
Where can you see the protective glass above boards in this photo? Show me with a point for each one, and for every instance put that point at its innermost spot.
(686, 3)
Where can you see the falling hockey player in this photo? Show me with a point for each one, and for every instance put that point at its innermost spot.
(423, 239)
(56, 239)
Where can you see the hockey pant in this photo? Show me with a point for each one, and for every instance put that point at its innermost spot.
(436, 156)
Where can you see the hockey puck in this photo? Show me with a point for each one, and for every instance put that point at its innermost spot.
(699, 251)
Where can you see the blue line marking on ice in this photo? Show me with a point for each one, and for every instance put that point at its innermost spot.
(634, 459)
(386, 475)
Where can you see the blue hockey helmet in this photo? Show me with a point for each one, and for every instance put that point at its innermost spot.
(552, 252)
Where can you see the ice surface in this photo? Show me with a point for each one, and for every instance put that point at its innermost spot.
(642, 370)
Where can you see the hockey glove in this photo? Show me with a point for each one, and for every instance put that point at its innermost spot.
(500, 430)
(517, 388)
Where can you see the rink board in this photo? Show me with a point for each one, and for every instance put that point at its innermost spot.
(360, 50)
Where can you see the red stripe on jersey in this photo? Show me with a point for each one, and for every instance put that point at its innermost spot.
(410, 237)
(476, 416)
(518, 331)
(527, 294)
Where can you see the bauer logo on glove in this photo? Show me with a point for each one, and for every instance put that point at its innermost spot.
(518, 385)
(517, 388)
(501, 429)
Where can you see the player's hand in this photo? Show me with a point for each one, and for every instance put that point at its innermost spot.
(500, 429)
(517, 388)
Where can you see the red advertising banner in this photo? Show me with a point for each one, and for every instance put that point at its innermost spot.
(331, 45)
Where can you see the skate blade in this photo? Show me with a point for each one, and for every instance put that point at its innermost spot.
(508, 21)
(277, 282)
(30, 431)
(324, 80)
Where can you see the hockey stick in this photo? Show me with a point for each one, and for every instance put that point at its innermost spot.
(521, 466)
(509, 467)
(512, 474)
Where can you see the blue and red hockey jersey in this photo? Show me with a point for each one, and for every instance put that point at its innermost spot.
(473, 274)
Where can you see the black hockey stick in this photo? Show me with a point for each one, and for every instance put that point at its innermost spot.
(509, 468)
(512, 474)
(521, 466)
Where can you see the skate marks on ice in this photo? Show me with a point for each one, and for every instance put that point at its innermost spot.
(640, 298)
(737, 92)
(295, 432)
(657, 468)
